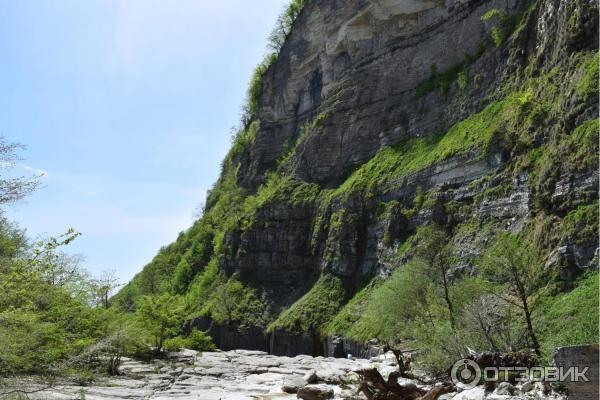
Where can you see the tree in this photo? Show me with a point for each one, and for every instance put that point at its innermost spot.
(436, 254)
(232, 302)
(160, 315)
(517, 265)
(122, 338)
(393, 307)
(284, 24)
(104, 286)
(14, 189)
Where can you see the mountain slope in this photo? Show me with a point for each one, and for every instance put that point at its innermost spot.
(377, 118)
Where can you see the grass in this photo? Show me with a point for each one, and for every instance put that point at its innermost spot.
(581, 225)
(570, 318)
(351, 312)
(316, 308)
(471, 134)
(588, 84)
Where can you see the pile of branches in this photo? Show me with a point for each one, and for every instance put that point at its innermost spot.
(374, 387)
(499, 359)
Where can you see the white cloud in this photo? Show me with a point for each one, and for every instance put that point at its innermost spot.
(37, 171)
(91, 193)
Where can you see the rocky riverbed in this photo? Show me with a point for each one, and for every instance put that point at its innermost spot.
(238, 374)
(246, 375)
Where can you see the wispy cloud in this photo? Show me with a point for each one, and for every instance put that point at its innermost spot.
(37, 171)
(91, 193)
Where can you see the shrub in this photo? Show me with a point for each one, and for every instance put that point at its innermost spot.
(200, 341)
(197, 340)
(175, 344)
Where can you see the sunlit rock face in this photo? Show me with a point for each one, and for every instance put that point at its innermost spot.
(379, 117)
(361, 66)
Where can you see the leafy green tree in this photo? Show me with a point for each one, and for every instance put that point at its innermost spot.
(122, 337)
(435, 253)
(160, 315)
(234, 303)
(395, 305)
(516, 266)
(284, 24)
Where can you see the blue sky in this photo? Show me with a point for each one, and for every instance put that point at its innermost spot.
(127, 107)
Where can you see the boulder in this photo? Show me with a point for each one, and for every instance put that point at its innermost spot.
(584, 358)
(477, 393)
(527, 387)
(315, 392)
(292, 384)
(505, 389)
(311, 376)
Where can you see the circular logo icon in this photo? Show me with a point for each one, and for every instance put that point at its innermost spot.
(466, 372)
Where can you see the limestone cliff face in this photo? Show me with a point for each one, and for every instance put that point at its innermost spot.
(399, 113)
(363, 64)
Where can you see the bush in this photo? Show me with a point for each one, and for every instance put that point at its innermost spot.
(175, 344)
(197, 340)
(200, 341)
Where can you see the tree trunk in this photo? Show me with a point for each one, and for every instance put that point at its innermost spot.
(534, 341)
(447, 298)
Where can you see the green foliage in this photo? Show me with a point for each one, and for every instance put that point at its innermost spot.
(517, 264)
(234, 303)
(443, 80)
(471, 134)
(588, 84)
(202, 286)
(276, 41)
(316, 308)
(284, 24)
(575, 153)
(351, 313)
(494, 14)
(463, 79)
(255, 88)
(580, 226)
(498, 33)
(392, 306)
(160, 315)
(570, 318)
(47, 323)
(197, 340)
(305, 130)
(121, 336)
(440, 80)
(31, 343)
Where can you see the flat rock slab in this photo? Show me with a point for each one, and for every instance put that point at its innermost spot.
(231, 375)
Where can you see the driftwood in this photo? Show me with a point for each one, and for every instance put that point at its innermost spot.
(374, 387)
(403, 358)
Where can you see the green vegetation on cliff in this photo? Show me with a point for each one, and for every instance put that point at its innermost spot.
(318, 306)
(440, 274)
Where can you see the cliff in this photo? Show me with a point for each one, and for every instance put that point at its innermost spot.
(376, 118)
